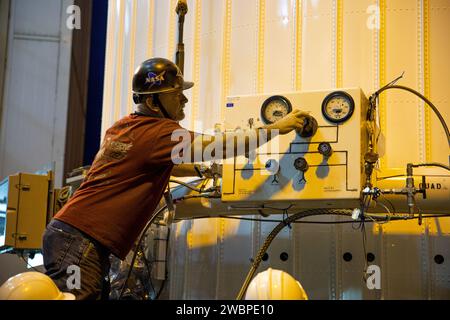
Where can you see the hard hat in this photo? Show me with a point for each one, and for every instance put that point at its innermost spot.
(32, 286)
(158, 75)
(275, 284)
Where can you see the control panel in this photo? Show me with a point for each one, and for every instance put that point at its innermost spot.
(318, 168)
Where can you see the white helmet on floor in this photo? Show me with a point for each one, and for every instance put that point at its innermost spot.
(32, 286)
(275, 285)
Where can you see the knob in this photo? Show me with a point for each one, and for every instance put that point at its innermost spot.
(301, 165)
(325, 149)
(272, 166)
(309, 128)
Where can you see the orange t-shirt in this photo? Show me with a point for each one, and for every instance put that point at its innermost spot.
(125, 183)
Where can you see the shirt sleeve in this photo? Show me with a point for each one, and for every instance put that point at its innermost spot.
(172, 144)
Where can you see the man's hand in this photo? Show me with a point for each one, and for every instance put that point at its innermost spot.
(293, 121)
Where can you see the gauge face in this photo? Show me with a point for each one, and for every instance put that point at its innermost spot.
(338, 107)
(275, 108)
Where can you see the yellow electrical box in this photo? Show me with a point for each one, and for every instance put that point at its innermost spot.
(25, 200)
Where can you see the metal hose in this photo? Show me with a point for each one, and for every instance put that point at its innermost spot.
(274, 233)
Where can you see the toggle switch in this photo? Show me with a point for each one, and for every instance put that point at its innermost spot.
(325, 149)
(272, 166)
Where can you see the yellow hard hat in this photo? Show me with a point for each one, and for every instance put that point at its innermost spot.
(275, 284)
(32, 286)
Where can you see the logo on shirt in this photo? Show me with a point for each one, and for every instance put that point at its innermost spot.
(112, 151)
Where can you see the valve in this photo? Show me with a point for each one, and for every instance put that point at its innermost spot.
(325, 149)
(301, 164)
(309, 127)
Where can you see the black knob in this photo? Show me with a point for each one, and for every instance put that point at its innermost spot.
(301, 165)
(325, 149)
(309, 127)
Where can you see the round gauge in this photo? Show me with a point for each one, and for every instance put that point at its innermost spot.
(338, 107)
(275, 108)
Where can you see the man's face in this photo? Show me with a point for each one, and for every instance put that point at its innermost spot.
(174, 103)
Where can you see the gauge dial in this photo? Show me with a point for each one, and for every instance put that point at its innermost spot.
(275, 108)
(338, 107)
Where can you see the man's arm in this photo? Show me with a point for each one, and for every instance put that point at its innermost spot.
(241, 141)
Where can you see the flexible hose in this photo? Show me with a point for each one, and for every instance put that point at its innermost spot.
(274, 233)
(432, 164)
(430, 104)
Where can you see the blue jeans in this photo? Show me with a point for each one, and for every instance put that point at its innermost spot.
(76, 262)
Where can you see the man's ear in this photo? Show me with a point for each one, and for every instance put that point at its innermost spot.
(149, 103)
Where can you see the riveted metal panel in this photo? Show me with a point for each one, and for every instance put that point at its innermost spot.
(243, 59)
(179, 250)
(235, 258)
(439, 258)
(203, 259)
(439, 75)
(312, 251)
(353, 272)
(402, 265)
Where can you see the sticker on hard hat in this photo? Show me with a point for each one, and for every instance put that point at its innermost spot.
(153, 78)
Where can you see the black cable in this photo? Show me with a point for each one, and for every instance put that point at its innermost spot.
(432, 164)
(160, 289)
(363, 210)
(389, 177)
(428, 102)
(364, 241)
(193, 196)
(136, 250)
(401, 218)
(263, 207)
(149, 270)
(278, 221)
(390, 202)
(167, 257)
(380, 219)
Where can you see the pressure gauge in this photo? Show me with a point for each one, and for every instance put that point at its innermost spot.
(275, 108)
(338, 107)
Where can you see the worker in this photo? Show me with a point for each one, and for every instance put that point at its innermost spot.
(127, 179)
(273, 284)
